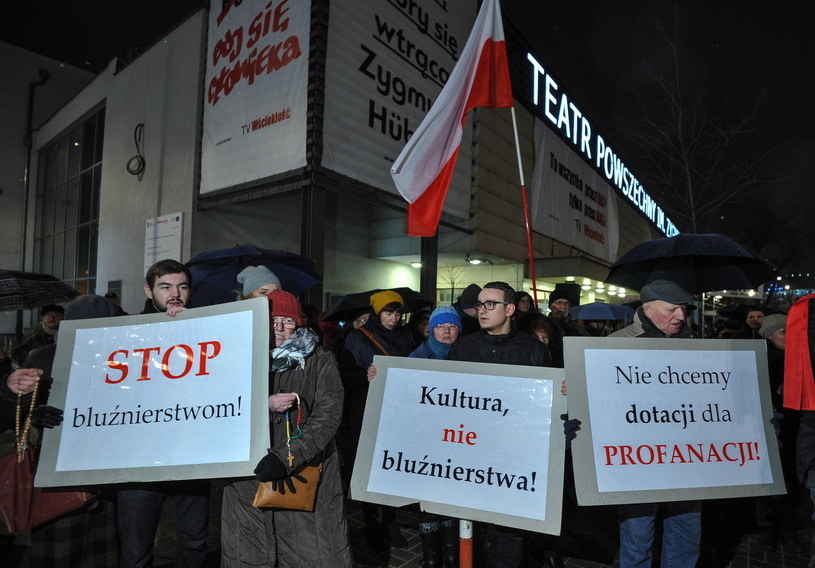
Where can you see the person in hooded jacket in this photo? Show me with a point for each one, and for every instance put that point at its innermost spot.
(382, 334)
(253, 537)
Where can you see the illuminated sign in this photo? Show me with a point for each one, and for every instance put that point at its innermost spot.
(567, 119)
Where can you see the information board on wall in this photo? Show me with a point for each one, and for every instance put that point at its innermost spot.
(385, 65)
(154, 398)
(485, 441)
(255, 95)
(570, 202)
(162, 238)
(671, 420)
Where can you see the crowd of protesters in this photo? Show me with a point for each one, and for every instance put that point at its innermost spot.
(326, 369)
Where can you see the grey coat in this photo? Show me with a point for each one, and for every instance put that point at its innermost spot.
(296, 539)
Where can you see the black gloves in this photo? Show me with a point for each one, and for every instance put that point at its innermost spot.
(280, 485)
(270, 468)
(570, 427)
(46, 416)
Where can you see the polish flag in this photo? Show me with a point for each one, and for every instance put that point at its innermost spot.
(423, 170)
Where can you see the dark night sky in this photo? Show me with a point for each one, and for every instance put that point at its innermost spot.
(739, 51)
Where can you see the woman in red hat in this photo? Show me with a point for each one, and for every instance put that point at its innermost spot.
(304, 382)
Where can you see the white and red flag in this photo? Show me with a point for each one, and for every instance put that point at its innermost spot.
(423, 170)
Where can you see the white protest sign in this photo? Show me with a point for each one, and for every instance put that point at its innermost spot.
(476, 441)
(147, 397)
(671, 420)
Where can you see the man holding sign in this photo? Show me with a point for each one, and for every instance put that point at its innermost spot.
(498, 341)
(663, 314)
(140, 504)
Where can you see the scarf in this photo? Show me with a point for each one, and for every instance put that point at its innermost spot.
(439, 349)
(293, 352)
(799, 386)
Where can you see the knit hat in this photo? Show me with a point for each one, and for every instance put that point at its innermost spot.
(469, 297)
(383, 298)
(666, 291)
(284, 305)
(772, 324)
(444, 314)
(253, 277)
(90, 306)
(51, 308)
(559, 294)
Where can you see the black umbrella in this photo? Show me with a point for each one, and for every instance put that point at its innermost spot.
(697, 262)
(214, 272)
(352, 304)
(26, 290)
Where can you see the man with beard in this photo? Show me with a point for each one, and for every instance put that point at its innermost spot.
(140, 504)
(41, 335)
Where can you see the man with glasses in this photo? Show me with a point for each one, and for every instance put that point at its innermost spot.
(559, 304)
(499, 341)
(139, 504)
(41, 335)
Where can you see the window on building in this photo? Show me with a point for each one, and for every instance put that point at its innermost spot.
(67, 208)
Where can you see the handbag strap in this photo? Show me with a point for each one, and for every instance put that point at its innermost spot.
(20, 437)
(374, 341)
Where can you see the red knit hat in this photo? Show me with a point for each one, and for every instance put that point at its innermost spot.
(284, 305)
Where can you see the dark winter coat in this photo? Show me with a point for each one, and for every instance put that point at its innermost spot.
(255, 537)
(513, 348)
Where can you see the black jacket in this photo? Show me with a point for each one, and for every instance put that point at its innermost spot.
(514, 348)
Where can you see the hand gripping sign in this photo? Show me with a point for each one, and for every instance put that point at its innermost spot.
(154, 398)
(671, 420)
(474, 441)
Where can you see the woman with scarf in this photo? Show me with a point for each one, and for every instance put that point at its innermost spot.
(299, 369)
(439, 535)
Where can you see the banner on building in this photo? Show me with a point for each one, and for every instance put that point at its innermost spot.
(569, 201)
(153, 398)
(162, 238)
(386, 63)
(255, 95)
(468, 440)
(668, 424)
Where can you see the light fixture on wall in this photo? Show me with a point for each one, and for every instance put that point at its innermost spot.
(416, 264)
(477, 260)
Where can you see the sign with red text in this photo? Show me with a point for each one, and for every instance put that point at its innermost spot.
(153, 398)
(469, 440)
(671, 420)
(569, 200)
(386, 62)
(255, 92)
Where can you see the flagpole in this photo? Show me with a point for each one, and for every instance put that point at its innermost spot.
(530, 251)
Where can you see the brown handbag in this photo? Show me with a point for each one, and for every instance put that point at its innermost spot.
(302, 499)
(23, 506)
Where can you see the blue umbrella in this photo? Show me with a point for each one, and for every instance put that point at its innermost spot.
(601, 311)
(214, 272)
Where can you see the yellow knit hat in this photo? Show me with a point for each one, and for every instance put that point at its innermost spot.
(382, 299)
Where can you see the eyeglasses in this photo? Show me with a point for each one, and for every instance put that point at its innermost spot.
(285, 322)
(449, 326)
(489, 305)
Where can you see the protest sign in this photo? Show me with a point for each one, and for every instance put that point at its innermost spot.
(474, 441)
(154, 398)
(671, 420)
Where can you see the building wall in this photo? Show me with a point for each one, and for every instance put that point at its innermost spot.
(158, 89)
(19, 68)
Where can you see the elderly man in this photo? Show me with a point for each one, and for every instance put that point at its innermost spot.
(663, 314)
